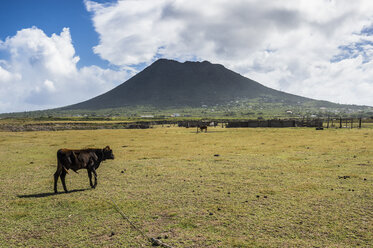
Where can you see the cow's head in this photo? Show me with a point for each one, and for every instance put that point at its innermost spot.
(108, 153)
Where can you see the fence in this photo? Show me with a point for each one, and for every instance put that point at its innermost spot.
(276, 123)
(344, 123)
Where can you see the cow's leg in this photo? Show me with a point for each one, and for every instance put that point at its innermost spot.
(56, 175)
(95, 174)
(90, 177)
(63, 175)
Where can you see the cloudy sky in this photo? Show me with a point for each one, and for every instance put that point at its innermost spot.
(54, 53)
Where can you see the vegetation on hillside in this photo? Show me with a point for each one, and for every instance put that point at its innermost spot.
(245, 109)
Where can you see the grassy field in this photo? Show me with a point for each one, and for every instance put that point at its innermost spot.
(291, 187)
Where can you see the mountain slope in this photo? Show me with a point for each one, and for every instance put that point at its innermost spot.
(168, 83)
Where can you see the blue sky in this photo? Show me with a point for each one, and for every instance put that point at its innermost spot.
(321, 49)
(52, 16)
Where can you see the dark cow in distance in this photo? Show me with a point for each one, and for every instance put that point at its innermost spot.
(89, 159)
(203, 127)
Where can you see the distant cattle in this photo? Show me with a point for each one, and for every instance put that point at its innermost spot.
(89, 159)
(203, 127)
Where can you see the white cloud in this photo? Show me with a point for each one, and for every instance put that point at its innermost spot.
(42, 72)
(312, 48)
(295, 45)
(49, 85)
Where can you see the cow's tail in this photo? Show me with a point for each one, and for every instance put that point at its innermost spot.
(62, 159)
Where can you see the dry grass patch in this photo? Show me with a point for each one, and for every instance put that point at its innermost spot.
(224, 188)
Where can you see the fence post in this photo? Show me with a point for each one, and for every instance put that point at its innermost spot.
(328, 123)
(340, 122)
(360, 122)
(352, 123)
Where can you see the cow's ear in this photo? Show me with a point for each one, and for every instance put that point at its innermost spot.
(107, 148)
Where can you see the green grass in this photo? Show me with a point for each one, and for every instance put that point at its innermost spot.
(241, 109)
(267, 188)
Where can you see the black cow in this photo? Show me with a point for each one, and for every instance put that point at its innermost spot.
(202, 127)
(89, 159)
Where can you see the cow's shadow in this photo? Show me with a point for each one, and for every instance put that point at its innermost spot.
(41, 195)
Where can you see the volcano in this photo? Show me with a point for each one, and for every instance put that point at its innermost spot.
(169, 83)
